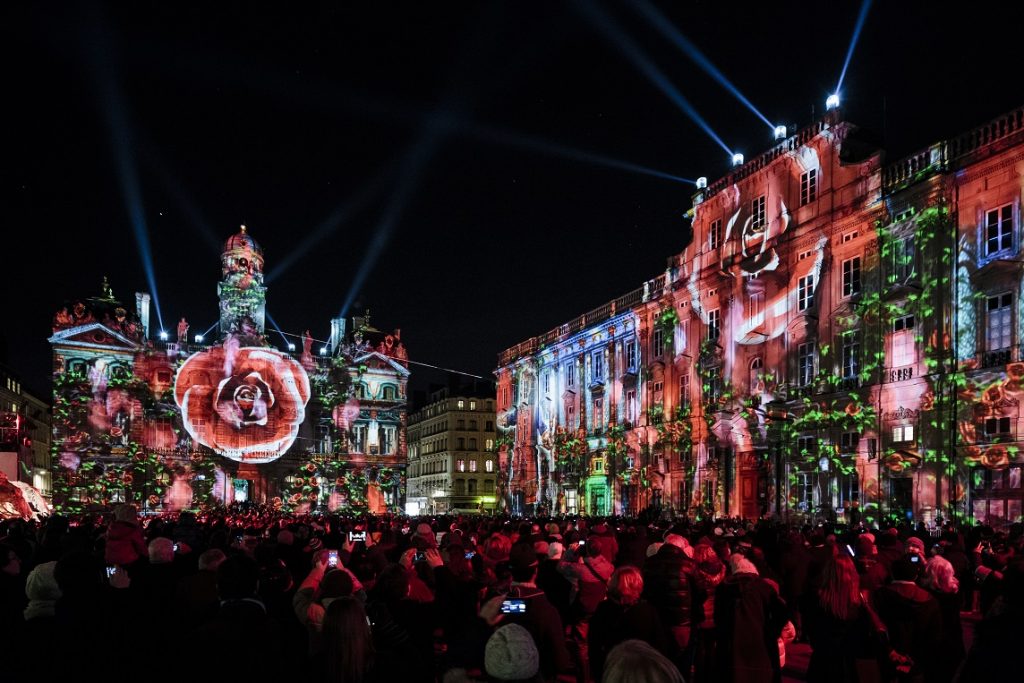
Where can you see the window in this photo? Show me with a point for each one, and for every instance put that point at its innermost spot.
(570, 374)
(903, 259)
(849, 488)
(631, 356)
(804, 494)
(389, 393)
(472, 425)
(472, 465)
(472, 444)
(850, 353)
(848, 442)
(488, 444)
(460, 443)
(570, 416)
(804, 254)
(849, 236)
(471, 488)
(460, 465)
(999, 230)
(714, 324)
(997, 426)
(598, 413)
(546, 382)
(903, 433)
(460, 425)
(597, 367)
(998, 333)
(472, 405)
(756, 370)
(808, 186)
(488, 426)
(712, 293)
(804, 364)
(715, 234)
(903, 347)
(755, 309)
(630, 411)
(684, 390)
(657, 342)
(806, 445)
(713, 390)
(851, 276)
(805, 292)
(460, 404)
(757, 212)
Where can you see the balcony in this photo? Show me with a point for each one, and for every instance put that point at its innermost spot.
(900, 374)
(998, 357)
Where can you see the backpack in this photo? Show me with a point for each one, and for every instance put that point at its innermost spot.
(589, 594)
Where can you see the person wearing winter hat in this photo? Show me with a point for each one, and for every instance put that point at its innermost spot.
(42, 591)
(541, 618)
(511, 655)
(916, 546)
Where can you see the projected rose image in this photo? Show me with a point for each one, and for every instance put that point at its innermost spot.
(244, 403)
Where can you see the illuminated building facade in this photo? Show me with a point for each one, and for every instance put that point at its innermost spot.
(452, 457)
(839, 334)
(24, 444)
(182, 422)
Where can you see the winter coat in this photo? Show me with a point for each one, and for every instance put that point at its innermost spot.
(669, 585)
(951, 652)
(914, 622)
(125, 544)
(749, 617)
(838, 644)
(542, 621)
(613, 623)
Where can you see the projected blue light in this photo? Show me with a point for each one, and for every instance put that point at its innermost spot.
(635, 55)
(514, 139)
(861, 17)
(662, 24)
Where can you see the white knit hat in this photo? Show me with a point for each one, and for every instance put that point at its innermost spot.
(511, 654)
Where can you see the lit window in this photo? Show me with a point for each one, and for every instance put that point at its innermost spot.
(631, 356)
(805, 292)
(715, 234)
(755, 309)
(472, 405)
(488, 465)
(998, 230)
(851, 276)
(630, 405)
(684, 390)
(808, 186)
(489, 444)
(903, 346)
(460, 466)
(472, 465)
(903, 433)
(597, 366)
(757, 212)
(460, 404)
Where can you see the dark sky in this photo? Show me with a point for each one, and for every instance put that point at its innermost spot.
(220, 114)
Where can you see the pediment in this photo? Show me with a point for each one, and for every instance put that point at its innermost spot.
(376, 359)
(95, 336)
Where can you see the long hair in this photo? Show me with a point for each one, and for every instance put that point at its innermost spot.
(348, 642)
(840, 589)
(940, 576)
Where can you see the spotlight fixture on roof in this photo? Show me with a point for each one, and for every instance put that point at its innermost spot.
(780, 132)
(163, 335)
(199, 339)
(737, 159)
(323, 350)
(291, 347)
(832, 101)
(702, 182)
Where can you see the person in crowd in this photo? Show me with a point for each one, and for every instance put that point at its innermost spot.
(401, 627)
(323, 586)
(155, 582)
(241, 641)
(912, 619)
(196, 598)
(635, 661)
(749, 618)
(12, 592)
(348, 652)
(1000, 633)
(939, 579)
(839, 627)
(553, 582)
(669, 585)
(709, 573)
(538, 615)
(125, 543)
(511, 655)
(624, 616)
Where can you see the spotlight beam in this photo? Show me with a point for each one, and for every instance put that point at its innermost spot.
(278, 328)
(412, 165)
(634, 54)
(862, 16)
(113, 110)
(343, 213)
(510, 138)
(663, 25)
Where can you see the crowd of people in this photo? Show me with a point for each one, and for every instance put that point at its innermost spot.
(254, 594)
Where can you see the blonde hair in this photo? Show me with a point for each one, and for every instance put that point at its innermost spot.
(626, 585)
(940, 576)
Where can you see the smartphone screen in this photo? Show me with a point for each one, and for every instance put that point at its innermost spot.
(419, 557)
(470, 554)
(354, 536)
(849, 549)
(175, 547)
(111, 569)
(513, 606)
(332, 558)
(915, 558)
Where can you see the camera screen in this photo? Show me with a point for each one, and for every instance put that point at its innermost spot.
(513, 606)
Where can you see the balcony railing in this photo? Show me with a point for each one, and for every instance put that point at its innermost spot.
(998, 357)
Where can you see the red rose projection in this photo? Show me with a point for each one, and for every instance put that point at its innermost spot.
(244, 403)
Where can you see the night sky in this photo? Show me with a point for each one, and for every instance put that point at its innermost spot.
(423, 127)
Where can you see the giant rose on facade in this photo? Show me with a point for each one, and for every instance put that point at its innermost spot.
(245, 403)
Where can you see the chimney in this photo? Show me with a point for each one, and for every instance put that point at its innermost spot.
(142, 310)
(337, 334)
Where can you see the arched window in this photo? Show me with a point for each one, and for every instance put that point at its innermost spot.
(389, 393)
(756, 375)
